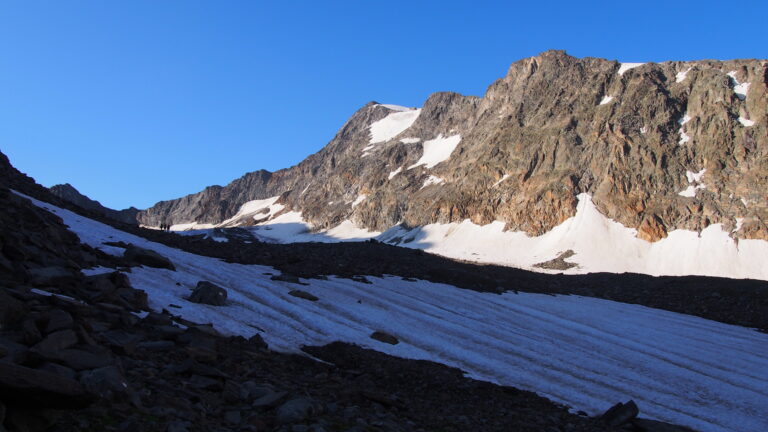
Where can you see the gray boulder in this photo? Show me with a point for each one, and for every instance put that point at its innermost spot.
(208, 293)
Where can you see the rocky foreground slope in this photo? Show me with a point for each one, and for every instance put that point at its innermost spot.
(658, 147)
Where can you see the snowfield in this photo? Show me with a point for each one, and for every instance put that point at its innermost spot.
(584, 352)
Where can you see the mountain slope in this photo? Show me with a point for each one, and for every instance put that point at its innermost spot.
(657, 147)
(683, 369)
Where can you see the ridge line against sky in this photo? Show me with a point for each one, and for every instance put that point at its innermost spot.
(142, 101)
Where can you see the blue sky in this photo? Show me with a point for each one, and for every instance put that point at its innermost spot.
(136, 101)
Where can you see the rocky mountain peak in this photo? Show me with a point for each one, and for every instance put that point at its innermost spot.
(556, 126)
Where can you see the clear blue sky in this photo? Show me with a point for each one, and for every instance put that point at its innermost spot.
(137, 101)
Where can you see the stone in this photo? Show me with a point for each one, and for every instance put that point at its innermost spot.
(646, 425)
(233, 417)
(41, 389)
(269, 400)
(178, 426)
(105, 381)
(147, 257)
(156, 346)
(57, 341)
(48, 276)
(58, 320)
(287, 277)
(620, 413)
(384, 337)
(11, 310)
(295, 410)
(58, 369)
(304, 295)
(207, 293)
(78, 359)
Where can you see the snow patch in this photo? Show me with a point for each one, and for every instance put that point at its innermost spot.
(709, 253)
(392, 125)
(684, 137)
(746, 122)
(606, 99)
(432, 180)
(410, 140)
(627, 66)
(394, 173)
(504, 177)
(694, 178)
(739, 88)
(360, 198)
(680, 77)
(437, 150)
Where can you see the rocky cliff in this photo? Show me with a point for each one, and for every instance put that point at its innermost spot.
(68, 192)
(658, 146)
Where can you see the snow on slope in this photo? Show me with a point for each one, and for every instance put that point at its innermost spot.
(437, 150)
(392, 125)
(601, 245)
(587, 353)
(627, 66)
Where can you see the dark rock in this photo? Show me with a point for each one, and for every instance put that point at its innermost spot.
(156, 346)
(105, 381)
(11, 310)
(620, 413)
(295, 410)
(58, 370)
(233, 417)
(287, 277)
(208, 293)
(384, 337)
(269, 400)
(79, 359)
(205, 383)
(122, 340)
(646, 425)
(48, 276)
(31, 332)
(147, 257)
(58, 320)
(30, 387)
(178, 426)
(304, 295)
(56, 342)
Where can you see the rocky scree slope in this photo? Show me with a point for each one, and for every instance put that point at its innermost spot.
(658, 146)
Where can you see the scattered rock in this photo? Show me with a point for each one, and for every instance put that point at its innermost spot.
(295, 410)
(147, 257)
(208, 293)
(40, 389)
(58, 320)
(620, 413)
(269, 400)
(303, 294)
(287, 277)
(384, 337)
(646, 425)
(56, 342)
(104, 382)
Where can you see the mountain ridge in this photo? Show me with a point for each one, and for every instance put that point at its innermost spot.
(553, 127)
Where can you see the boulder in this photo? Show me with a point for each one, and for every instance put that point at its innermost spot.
(29, 387)
(304, 295)
(58, 320)
(384, 337)
(105, 381)
(208, 293)
(147, 257)
(295, 410)
(620, 413)
(11, 310)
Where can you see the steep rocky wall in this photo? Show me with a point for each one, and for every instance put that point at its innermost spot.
(554, 127)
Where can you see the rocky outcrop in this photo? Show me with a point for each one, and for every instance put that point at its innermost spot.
(658, 146)
(68, 192)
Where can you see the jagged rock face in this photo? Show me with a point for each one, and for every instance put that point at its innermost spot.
(658, 146)
(68, 192)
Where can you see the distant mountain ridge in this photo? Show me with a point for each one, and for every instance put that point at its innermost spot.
(68, 192)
